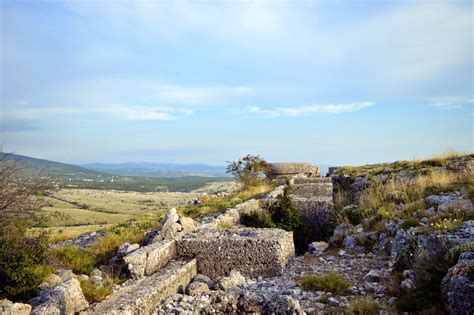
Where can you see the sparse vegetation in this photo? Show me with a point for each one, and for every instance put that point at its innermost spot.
(331, 282)
(365, 306)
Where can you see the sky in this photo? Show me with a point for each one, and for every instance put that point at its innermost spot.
(330, 82)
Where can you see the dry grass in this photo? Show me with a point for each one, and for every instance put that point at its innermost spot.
(382, 197)
(331, 282)
(214, 205)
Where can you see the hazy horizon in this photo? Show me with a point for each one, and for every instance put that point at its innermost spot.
(344, 83)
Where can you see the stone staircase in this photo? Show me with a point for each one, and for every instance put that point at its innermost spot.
(142, 296)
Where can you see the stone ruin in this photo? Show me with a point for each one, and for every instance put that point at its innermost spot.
(180, 250)
(288, 170)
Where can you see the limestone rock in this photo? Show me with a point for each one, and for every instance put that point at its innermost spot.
(407, 284)
(127, 248)
(204, 279)
(171, 217)
(234, 279)
(188, 224)
(7, 307)
(458, 288)
(66, 298)
(65, 274)
(372, 276)
(51, 281)
(195, 288)
(318, 247)
(148, 259)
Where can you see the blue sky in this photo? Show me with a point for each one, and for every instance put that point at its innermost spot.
(333, 82)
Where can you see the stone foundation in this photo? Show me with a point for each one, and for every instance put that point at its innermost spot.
(252, 252)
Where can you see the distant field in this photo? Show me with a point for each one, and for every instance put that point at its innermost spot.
(73, 212)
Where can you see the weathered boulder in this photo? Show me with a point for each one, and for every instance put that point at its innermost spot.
(232, 280)
(458, 287)
(66, 298)
(7, 307)
(449, 202)
(317, 247)
(195, 288)
(372, 276)
(50, 281)
(148, 259)
(188, 224)
(126, 248)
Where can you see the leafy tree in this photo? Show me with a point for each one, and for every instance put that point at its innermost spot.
(248, 170)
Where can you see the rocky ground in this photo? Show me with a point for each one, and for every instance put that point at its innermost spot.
(364, 271)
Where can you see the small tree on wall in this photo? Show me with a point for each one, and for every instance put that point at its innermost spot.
(248, 170)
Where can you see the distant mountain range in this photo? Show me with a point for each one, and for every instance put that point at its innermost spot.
(158, 169)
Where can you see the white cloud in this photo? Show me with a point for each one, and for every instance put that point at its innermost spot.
(308, 110)
(113, 112)
(452, 102)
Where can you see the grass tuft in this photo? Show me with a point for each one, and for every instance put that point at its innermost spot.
(331, 282)
(364, 306)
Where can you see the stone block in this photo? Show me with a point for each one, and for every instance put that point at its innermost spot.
(252, 252)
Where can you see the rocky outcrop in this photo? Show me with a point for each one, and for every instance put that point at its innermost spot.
(458, 286)
(253, 252)
(9, 308)
(66, 298)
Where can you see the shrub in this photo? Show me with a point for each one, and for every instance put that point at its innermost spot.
(331, 282)
(456, 251)
(406, 256)
(22, 261)
(364, 306)
(257, 219)
(80, 261)
(353, 214)
(410, 222)
(470, 272)
(283, 214)
(426, 294)
(94, 293)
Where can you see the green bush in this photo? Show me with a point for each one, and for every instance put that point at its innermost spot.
(456, 251)
(257, 219)
(22, 261)
(405, 258)
(410, 222)
(80, 261)
(284, 214)
(353, 214)
(364, 306)
(426, 294)
(470, 272)
(331, 282)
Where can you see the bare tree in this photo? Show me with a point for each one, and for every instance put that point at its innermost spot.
(17, 200)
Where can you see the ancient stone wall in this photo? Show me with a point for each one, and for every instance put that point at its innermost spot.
(278, 170)
(253, 252)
